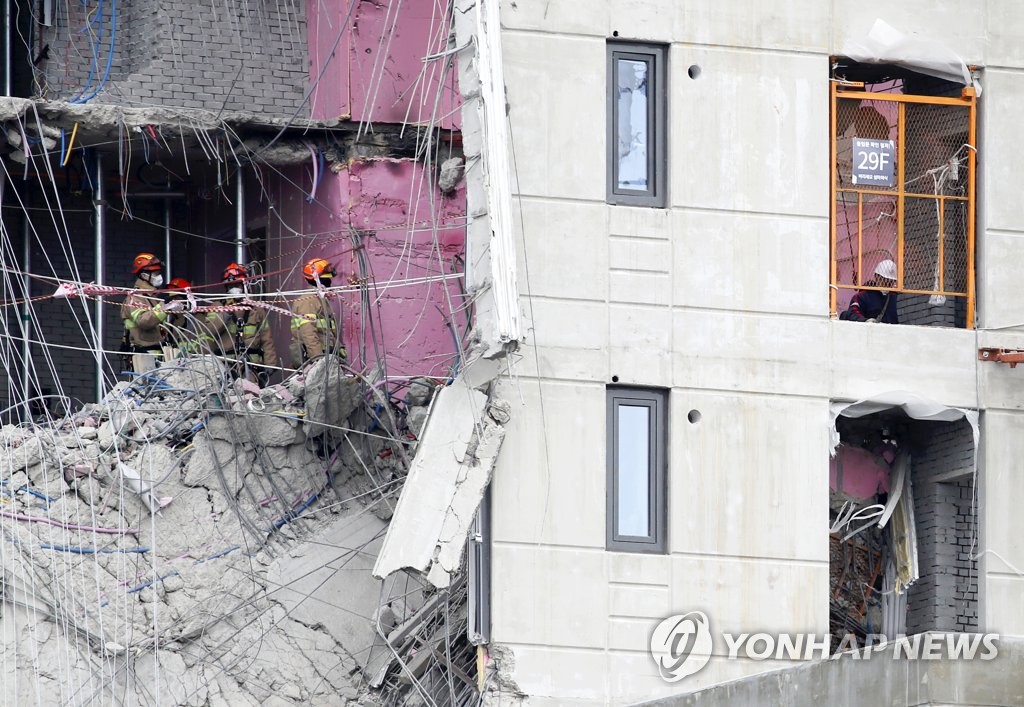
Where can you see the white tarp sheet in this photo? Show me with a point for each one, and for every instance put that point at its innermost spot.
(884, 44)
(912, 404)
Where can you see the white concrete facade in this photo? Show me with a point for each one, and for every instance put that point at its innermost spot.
(722, 298)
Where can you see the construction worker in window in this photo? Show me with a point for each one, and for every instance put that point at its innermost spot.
(254, 343)
(315, 330)
(143, 314)
(876, 305)
(179, 337)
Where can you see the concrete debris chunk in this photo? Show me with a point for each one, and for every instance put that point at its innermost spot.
(416, 418)
(420, 391)
(452, 171)
(331, 396)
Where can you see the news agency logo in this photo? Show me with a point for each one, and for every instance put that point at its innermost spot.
(681, 646)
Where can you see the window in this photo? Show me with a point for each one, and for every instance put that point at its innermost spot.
(636, 469)
(636, 124)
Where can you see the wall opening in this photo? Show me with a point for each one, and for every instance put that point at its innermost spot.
(904, 151)
(917, 572)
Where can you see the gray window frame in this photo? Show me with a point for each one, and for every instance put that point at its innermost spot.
(656, 541)
(656, 55)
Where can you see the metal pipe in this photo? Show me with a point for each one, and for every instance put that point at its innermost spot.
(155, 195)
(26, 315)
(240, 251)
(167, 238)
(8, 54)
(100, 275)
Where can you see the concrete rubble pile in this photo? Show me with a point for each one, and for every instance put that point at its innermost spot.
(202, 539)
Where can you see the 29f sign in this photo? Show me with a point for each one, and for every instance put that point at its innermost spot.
(874, 162)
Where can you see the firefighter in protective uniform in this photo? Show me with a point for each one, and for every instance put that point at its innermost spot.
(315, 330)
(253, 343)
(143, 314)
(179, 339)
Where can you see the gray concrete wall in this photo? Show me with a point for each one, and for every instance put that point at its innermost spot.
(721, 298)
(237, 55)
(877, 680)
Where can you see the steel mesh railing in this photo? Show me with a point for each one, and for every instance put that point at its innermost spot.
(903, 178)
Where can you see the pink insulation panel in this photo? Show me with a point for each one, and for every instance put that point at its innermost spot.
(413, 237)
(375, 64)
(862, 474)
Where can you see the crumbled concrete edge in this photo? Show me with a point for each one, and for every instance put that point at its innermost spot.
(501, 687)
(475, 475)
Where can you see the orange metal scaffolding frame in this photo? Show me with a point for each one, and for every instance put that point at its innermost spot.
(853, 91)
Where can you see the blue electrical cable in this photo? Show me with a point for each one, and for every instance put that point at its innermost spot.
(222, 553)
(110, 53)
(95, 49)
(37, 494)
(140, 587)
(293, 514)
(94, 551)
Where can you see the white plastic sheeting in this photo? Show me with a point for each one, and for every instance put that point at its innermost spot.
(884, 44)
(913, 405)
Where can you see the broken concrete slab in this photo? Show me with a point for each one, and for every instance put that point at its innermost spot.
(445, 486)
(335, 564)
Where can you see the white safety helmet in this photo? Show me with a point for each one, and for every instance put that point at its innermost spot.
(886, 269)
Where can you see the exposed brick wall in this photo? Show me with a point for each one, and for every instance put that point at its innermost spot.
(967, 568)
(945, 597)
(916, 309)
(237, 54)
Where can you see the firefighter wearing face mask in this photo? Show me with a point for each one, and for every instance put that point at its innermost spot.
(315, 330)
(253, 343)
(143, 314)
(179, 338)
(221, 328)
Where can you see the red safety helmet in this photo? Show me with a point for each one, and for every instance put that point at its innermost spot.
(146, 262)
(179, 283)
(234, 271)
(318, 267)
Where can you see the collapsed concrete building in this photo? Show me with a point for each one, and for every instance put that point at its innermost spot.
(593, 266)
(184, 536)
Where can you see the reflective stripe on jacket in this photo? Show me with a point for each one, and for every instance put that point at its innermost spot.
(313, 326)
(142, 315)
(257, 339)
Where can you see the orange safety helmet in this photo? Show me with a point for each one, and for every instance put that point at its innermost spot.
(179, 283)
(234, 271)
(318, 267)
(145, 262)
